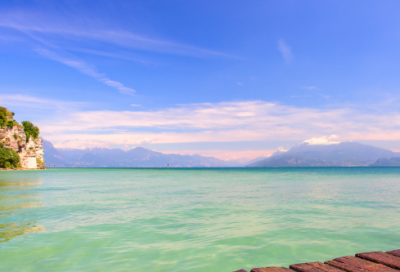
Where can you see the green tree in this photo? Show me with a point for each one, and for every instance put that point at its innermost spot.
(30, 130)
(3, 116)
(6, 111)
(3, 119)
(11, 123)
(8, 158)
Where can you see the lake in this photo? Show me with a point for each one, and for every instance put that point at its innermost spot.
(193, 219)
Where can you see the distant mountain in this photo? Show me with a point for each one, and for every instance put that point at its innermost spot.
(341, 154)
(387, 162)
(52, 156)
(137, 157)
(256, 160)
(302, 155)
(253, 161)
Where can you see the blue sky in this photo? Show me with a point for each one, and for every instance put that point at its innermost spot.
(232, 79)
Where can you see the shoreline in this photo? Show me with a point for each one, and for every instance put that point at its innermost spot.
(18, 169)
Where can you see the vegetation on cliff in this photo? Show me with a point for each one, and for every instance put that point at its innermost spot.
(14, 150)
(40, 164)
(9, 158)
(30, 130)
(4, 113)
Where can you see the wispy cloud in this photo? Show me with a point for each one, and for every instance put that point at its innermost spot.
(55, 37)
(26, 101)
(84, 68)
(56, 53)
(70, 29)
(285, 50)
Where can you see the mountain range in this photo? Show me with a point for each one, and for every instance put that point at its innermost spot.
(137, 157)
(302, 155)
(340, 154)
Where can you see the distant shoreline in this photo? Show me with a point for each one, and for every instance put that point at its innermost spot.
(227, 167)
(204, 168)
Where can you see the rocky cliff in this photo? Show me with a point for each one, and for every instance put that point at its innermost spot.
(12, 135)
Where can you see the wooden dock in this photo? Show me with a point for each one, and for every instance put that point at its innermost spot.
(376, 261)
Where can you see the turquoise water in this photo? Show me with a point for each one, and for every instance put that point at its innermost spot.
(193, 219)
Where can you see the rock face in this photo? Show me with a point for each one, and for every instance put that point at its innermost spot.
(30, 152)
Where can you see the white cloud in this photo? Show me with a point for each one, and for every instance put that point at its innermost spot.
(282, 149)
(285, 50)
(324, 140)
(218, 122)
(144, 141)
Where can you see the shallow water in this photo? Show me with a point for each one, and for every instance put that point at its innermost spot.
(193, 219)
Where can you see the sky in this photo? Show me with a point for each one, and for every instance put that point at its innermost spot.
(231, 79)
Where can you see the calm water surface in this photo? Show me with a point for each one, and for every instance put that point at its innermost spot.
(193, 219)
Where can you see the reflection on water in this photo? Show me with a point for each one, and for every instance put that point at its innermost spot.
(15, 198)
(12, 230)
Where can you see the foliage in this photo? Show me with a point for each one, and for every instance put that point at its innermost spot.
(11, 123)
(1, 144)
(30, 130)
(6, 112)
(3, 116)
(3, 119)
(8, 158)
(15, 136)
(40, 164)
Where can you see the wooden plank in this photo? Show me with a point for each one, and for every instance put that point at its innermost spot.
(314, 267)
(271, 269)
(354, 264)
(325, 267)
(345, 266)
(382, 258)
(304, 267)
(363, 262)
(394, 252)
